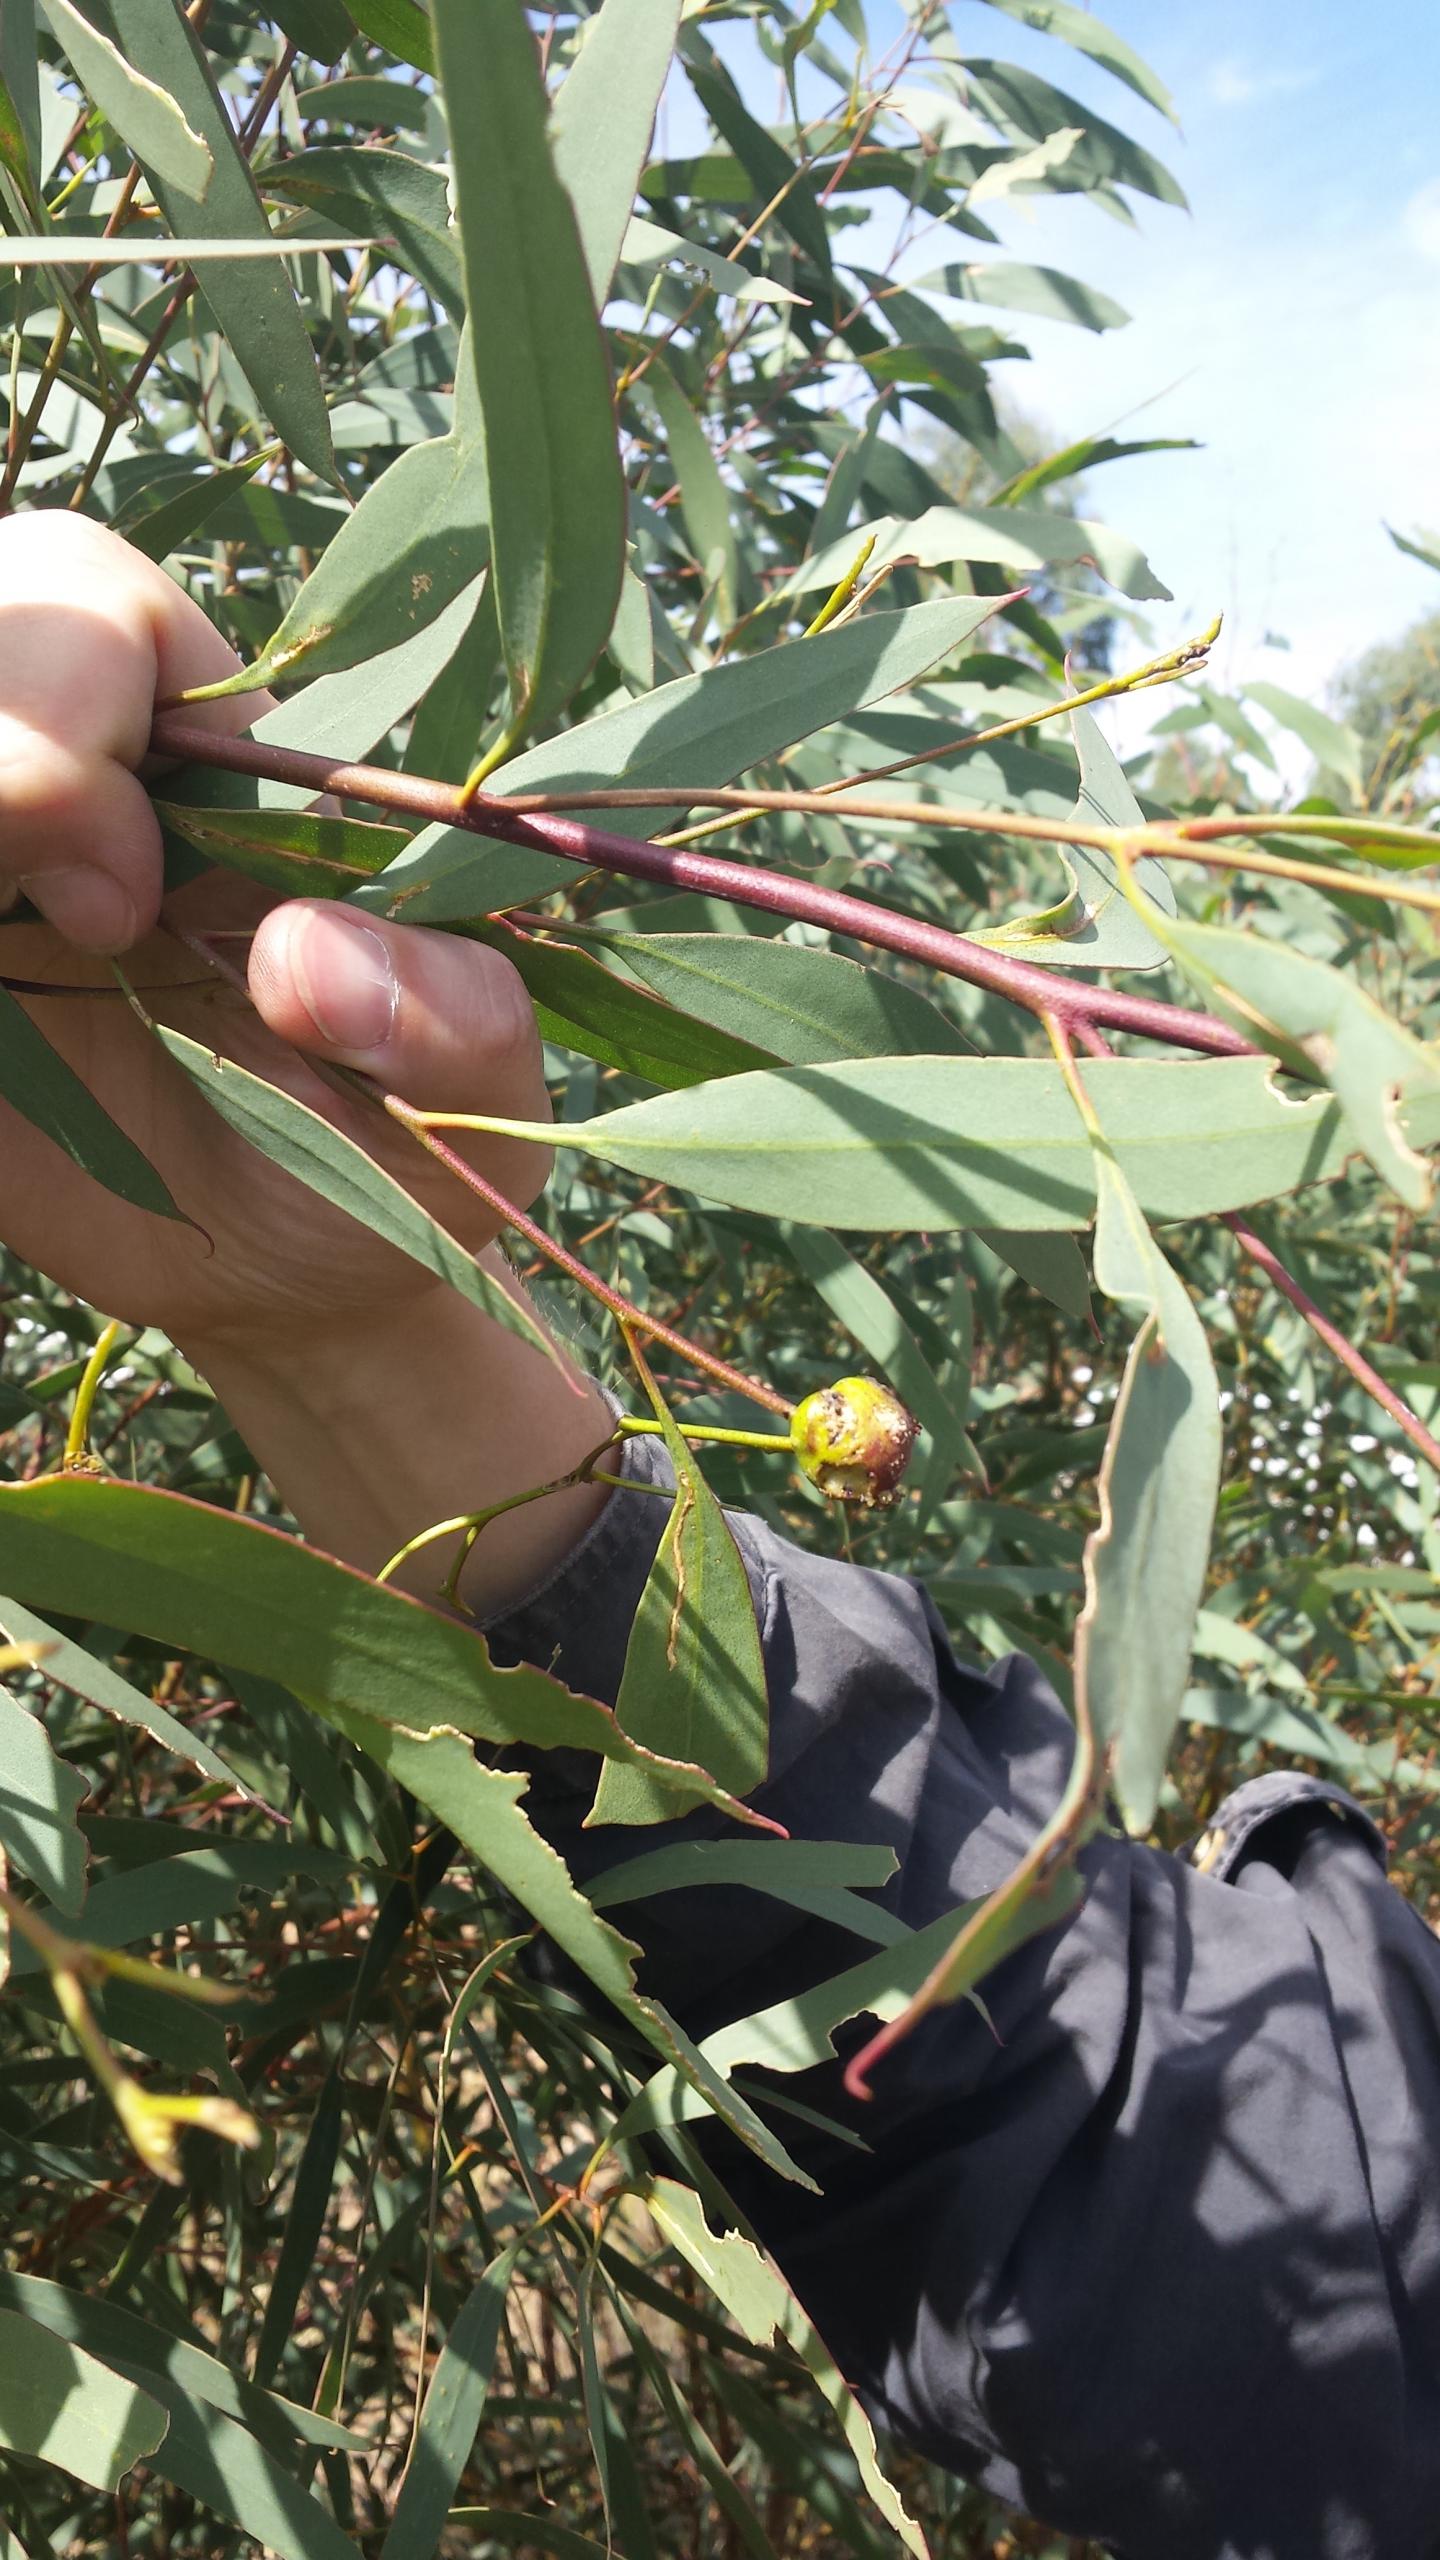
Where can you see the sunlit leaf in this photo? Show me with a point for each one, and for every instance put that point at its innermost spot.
(976, 1142)
(1145, 1568)
(147, 115)
(62, 2405)
(602, 121)
(702, 729)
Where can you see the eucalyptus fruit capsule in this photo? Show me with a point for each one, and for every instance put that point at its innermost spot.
(854, 1440)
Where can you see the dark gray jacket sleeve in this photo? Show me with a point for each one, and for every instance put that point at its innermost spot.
(1158, 2259)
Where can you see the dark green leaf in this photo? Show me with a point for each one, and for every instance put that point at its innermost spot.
(235, 1592)
(327, 1162)
(803, 1005)
(1145, 1567)
(38, 1084)
(398, 27)
(694, 1677)
(147, 116)
(372, 190)
(450, 2419)
(557, 492)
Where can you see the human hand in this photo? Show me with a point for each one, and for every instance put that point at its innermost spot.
(91, 634)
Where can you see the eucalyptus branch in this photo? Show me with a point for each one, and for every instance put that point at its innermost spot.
(1021, 982)
(1336, 1342)
(418, 1124)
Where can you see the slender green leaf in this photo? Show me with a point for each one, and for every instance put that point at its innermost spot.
(62, 2405)
(39, 1796)
(415, 541)
(603, 119)
(769, 165)
(236, 1592)
(756, 2295)
(583, 1006)
(482, 1807)
(304, 2224)
(398, 27)
(702, 729)
(805, 1006)
(649, 244)
(767, 1866)
(1323, 1022)
(321, 28)
(319, 1155)
(252, 301)
(393, 104)
(175, 521)
(540, 2531)
(148, 117)
(367, 189)
(1335, 747)
(108, 2330)
(1024, 540)
(694, 1677)
(1089, 34)
(557, 492)
(70, 1666)
(704, 498)
(1145, 1567)
(1041, 290)
(975, 1142)
(450, 2419)
(36, 1082)
(289, 849)
(1096, 925)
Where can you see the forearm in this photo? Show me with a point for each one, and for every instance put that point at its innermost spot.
(375, 1430)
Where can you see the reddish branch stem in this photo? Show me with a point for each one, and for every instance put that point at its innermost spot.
(1039, 990)
(1337, 1343)
(627, 1315)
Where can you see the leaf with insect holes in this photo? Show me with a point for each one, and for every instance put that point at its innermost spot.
(916, 1143)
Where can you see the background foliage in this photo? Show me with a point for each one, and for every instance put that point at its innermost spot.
(400, 2306)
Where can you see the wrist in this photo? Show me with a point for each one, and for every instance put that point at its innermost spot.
(374, 1428)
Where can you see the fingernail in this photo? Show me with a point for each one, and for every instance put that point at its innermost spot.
(88, 906)
(343, 974)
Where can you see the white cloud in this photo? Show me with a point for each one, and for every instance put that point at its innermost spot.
(1234, 83)
(1421, 219)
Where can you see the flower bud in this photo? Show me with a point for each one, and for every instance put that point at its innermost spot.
(854, 1440)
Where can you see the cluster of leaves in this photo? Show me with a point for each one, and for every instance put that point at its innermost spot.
(511, 436)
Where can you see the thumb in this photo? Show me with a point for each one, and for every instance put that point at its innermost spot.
(443, 1022)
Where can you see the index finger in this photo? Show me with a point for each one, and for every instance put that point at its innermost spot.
(90, 633)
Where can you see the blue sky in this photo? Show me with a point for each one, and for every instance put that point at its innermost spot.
(1291, 320)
